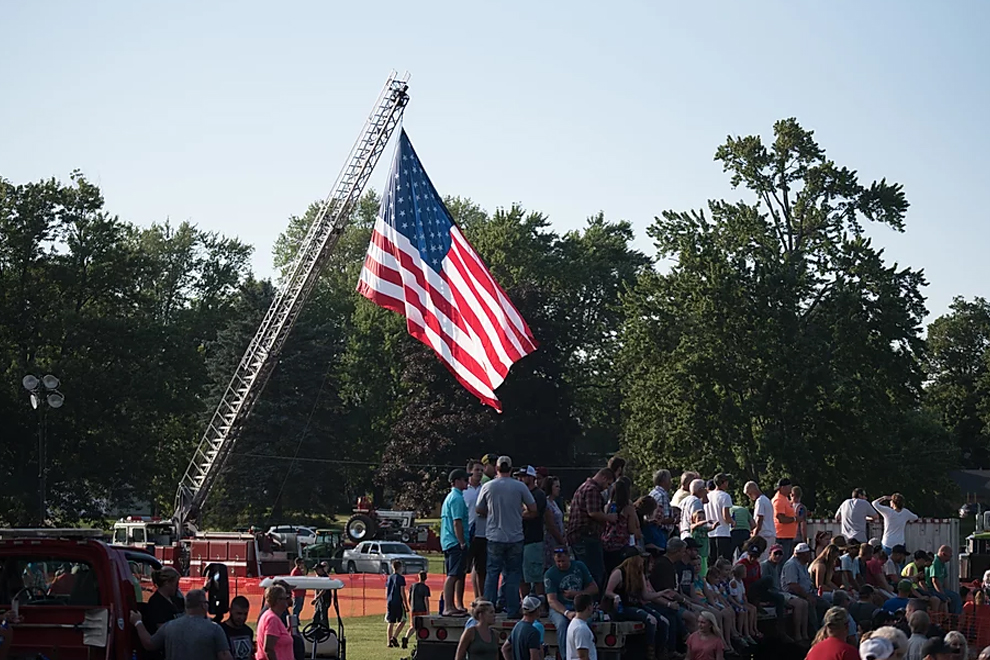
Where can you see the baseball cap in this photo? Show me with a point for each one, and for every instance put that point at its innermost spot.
(504, 460)
(542, 471)
(801, 547)
(489, 459)
(900, 549)
(529, 471)
(628, 552)
(783, 482)
(457, 474)
(905, 585)
(776, 547)
(691, 543)
(754, 550)
(865, 591)
(876, 648)
(935, 646)
(530, 604)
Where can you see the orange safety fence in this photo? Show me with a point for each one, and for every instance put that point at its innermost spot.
(363, 594)
(973, 623)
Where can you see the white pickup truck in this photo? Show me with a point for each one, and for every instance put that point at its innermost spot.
(377, 557)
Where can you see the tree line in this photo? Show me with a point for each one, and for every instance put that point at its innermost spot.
(768, 336)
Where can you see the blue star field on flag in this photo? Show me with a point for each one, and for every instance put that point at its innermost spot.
(414, 208)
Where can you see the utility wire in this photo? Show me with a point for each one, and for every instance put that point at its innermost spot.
(336, 461)
(302, 436)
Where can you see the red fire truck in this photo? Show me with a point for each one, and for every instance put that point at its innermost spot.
(71, 594)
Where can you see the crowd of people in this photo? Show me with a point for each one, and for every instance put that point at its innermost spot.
(697, 568)
(192, 635)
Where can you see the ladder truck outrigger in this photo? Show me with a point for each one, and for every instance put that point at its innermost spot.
(178, 541)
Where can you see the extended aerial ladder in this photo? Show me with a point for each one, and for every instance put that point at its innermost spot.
(261, 356)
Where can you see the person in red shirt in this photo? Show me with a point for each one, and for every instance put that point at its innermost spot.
(752, 550)
(830, 642)
(298, 595)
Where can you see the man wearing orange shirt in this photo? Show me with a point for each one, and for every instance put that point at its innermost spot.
(785, 521)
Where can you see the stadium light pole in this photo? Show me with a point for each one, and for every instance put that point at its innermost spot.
(44, 394)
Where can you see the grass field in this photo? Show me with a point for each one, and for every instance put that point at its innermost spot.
(366, 640)
(436, 562)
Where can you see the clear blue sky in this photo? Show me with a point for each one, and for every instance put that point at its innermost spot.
(235, 115)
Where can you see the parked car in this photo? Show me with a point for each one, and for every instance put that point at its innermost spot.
(377, 557)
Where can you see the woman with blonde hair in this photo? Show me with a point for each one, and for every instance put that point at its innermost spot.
(274, 639)
(479, 642)
(830, 642)
(706, 642)
(630, 594)
(958, 642)
(822, 569)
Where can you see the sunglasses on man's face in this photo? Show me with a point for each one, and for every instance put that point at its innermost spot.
(777, 554)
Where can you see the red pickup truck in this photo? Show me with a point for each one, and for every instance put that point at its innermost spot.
(71, 595)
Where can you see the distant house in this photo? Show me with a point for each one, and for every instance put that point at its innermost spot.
(973, 484)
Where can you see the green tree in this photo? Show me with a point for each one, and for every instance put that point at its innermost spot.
(568, 289)
(119, 314)
(780, 342)
(958, 369)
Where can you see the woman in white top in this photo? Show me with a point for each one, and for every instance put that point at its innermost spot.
(895, 519)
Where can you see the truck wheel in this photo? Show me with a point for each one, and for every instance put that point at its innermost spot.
(351, 567)
(360, 528)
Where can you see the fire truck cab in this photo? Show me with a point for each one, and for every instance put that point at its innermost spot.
(70, 592)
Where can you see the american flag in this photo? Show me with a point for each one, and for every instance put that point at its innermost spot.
(420, 265)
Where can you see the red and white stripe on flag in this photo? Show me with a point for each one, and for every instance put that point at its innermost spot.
(460, 312)
(420, 265)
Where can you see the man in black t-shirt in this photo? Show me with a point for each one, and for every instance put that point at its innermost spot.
(684, 569)
(239, 634)
(664, 574)
(532, 536)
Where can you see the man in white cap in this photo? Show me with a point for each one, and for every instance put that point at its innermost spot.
(501, 502)
(795, 579)
(524, 641)
(876, 648)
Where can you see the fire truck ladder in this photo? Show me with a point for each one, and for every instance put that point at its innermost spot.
(261, 356)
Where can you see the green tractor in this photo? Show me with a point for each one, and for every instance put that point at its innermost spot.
(329, 547)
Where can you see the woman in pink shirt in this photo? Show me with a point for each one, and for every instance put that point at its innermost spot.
(706, 642)
(274, 639)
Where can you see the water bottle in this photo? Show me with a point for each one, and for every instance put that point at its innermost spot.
(441, 604)
(618, 604)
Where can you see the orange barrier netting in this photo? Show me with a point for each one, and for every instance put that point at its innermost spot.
(363, 593)
(974, 624)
